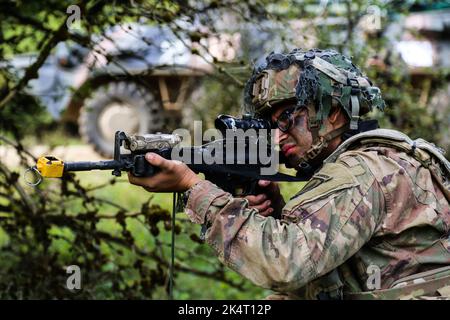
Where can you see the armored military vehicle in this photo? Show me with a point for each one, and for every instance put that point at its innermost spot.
(134, 78)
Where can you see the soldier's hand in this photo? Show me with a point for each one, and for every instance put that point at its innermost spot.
(174, 176)
(269, 201)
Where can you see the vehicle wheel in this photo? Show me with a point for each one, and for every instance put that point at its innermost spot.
(124, 106)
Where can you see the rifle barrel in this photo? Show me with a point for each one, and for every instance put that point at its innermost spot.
(92, 165)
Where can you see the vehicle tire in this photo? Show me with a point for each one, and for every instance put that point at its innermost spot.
(124, 106)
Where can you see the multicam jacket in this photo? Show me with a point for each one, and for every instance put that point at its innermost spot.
(373, 209)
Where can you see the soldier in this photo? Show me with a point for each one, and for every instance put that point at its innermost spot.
(372, 222)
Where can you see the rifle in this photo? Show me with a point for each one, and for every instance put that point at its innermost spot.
(234, 172)
(239, 176)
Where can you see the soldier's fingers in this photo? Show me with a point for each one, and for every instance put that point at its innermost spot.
(251, 199)
(149, 189)
(266, 212)
(264, 206)
(272, 188)
(264, 183)
(255, 200)
(146, 183)
(134, 180)
(158, 161)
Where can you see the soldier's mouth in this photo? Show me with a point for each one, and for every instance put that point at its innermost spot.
(288, 149)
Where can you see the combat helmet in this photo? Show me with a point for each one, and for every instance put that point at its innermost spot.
(315, 79)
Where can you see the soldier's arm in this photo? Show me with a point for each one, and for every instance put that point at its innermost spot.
(322, 227)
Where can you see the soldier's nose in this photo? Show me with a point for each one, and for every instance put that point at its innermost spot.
(276, 137)
(279, 136)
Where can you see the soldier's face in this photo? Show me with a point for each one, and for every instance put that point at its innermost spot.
(297, 139)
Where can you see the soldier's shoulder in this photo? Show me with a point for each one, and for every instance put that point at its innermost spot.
(328, 182)
(378, 160)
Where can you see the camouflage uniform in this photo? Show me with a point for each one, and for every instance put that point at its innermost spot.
(373, 206)
(379, 202)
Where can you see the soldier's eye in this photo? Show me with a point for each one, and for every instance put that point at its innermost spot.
(285, 119)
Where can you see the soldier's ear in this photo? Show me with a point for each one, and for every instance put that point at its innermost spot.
(335, 113)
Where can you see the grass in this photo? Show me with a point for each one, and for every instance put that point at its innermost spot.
(193, 287)
(187, 286)
(55, 137)
(131, 196)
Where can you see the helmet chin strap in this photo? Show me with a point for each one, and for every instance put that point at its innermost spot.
(319, 142)
(318, 146)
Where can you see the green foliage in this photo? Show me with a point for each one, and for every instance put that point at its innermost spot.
(219, 95)
(119, 238)
(121, 247)
(118, 234)
(23, 117)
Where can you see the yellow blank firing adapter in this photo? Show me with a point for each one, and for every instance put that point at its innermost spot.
(50, 167)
